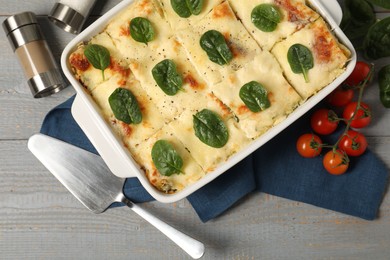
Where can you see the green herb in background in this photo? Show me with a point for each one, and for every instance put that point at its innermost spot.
(214, 44)
(384, 85)
(186, 8)
(254, 96)
(167, 78)
(210, 128)
(98, 56)
(166, 159)
(300, 59)
(125, 107)
(360, 25)
(377, 41)
(141, 30)
(359, 22)
(266, 17)
(358, 17)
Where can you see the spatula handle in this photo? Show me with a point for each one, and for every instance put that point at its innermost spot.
(193, 247)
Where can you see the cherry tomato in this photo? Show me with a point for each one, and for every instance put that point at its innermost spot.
(359, 74)
(309, 145)
(336, 162)
(362, 117)
(324, 121)
(353, 143)
(340, 97)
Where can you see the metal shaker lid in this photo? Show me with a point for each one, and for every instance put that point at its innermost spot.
(46, 83)
(19, 20)
(21, 29)
(67, 18)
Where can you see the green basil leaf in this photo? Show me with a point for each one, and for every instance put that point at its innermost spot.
(167, 78)
(214, 44)
(98, 56)
(377, 41)
(381, 3)
(186, 8)
(358, 17)
(166, 159)
(300, 59)
(384, 86)
(266, 17)
(125, 107)
(255, 96)
(141, 30)
(210, 128)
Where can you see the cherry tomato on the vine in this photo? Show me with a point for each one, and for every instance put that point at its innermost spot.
(362, 118)
(353, 143)
(336, 162)
(340, 97)
(324, 121)
(309, 145)
(359, 74)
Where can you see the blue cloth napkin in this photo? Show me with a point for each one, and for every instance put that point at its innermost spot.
(275, 168)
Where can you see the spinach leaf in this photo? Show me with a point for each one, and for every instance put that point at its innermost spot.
(358, 17)
(186, 8)
(300, 59)
(377, 41)
(214, 44)
(125, 107)
(266, 17)
(384, 86)
(254, 95)
(166, 159)
(141, 30)
(98, 56)
(210, 128)
(381, 3)
(167, 78)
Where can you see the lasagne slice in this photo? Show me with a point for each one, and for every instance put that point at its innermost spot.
(180, 23)
(329, 58)
(131, 134)
(119, 29)
(207, 157)
(241, 44)
(191, 171)
(193, 88)
(91, 77)
(295, 14)
(264, 69)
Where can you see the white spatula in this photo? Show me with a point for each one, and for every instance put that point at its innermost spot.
(88, 178)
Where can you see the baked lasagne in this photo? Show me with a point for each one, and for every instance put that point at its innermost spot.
(187, 85)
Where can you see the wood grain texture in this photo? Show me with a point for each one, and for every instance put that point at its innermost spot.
(40, 219)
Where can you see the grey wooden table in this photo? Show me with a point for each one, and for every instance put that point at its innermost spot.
(40, 219)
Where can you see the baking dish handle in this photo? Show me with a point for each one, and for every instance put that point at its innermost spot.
(92, 130)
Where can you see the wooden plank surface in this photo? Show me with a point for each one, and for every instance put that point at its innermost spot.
(39, 219)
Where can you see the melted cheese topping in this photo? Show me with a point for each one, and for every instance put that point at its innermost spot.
(119, 30)
(208, 157)
(242, 45)
(193, 85)
(329, 58)
(283, 98)
(131, 134)
(179, 23)
(87, 74)
(191, 171)
(295, 15)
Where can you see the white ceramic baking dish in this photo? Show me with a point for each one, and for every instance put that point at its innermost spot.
(118, 158)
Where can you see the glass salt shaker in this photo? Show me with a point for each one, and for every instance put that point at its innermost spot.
(28, 42)
(71, 15)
